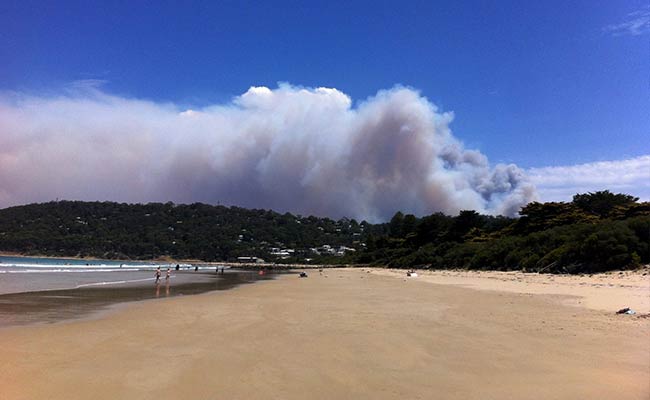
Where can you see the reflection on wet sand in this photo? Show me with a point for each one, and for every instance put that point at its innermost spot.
(58, 305)
(167, 285)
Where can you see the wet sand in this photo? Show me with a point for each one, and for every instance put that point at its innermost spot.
(52, 306)
(346, 334)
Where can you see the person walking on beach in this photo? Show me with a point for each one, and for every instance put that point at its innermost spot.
(168, 274)
(157, 274)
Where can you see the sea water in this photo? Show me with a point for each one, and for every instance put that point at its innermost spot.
(28, 274)
(45, 290)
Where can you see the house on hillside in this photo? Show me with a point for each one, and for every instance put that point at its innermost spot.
(250, 260)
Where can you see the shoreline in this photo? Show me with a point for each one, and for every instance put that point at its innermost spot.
(345, 334)
(45, 306)
(109, 310)
(641, 269)
(151, 260)
(171, 261)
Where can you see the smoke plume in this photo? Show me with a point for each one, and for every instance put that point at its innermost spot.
(303, 150)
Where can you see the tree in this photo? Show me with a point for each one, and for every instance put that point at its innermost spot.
(463, 223)
(395, 225)
(409, 223)
(431, 229)
(603, 203)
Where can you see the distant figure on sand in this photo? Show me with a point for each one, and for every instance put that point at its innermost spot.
(157, 274)
(196, 268)
(168, 274)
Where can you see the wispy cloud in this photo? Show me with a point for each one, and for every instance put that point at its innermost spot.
(560, 183)
(304, 150)
(636, 23)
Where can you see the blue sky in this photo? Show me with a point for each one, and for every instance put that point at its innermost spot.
(538, 84)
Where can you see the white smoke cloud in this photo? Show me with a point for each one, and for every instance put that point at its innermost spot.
(308, 151)
(560, 183)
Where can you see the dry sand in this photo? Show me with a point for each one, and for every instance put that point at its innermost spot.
(346, 334)
(609, 291)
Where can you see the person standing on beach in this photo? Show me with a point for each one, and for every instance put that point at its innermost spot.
(157, 274)
(168, 274)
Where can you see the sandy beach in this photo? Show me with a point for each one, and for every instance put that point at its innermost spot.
(351, 334)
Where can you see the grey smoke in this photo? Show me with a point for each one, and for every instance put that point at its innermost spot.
(307, 151)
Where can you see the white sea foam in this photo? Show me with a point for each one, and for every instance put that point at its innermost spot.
(34, 267)
(114, 282)
(50, 270)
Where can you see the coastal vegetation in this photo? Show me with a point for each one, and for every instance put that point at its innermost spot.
(595, 232)
(166, 230)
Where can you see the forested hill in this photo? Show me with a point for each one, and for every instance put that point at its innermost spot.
(595, 232)
(154, 230)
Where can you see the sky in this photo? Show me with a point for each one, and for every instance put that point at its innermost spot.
(292, 105)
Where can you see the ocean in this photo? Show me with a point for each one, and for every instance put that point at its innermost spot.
(47, 290)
